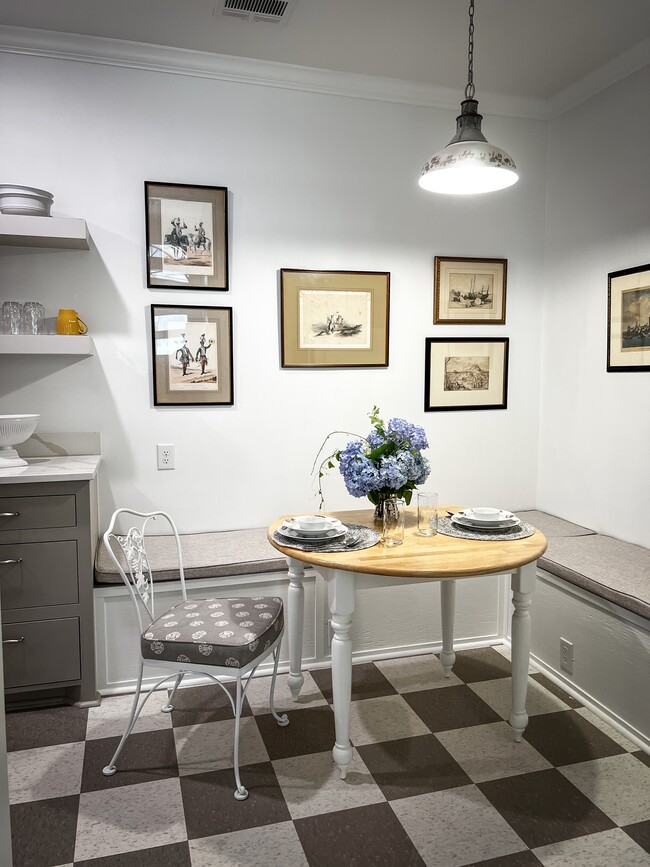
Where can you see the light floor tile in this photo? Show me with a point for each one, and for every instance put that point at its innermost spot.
(258, 694)
(506, 651)
(312, 784)
(48, 772)
(209, 746)
(129, 818)
(411, 674)
(456, 827)
(498, 694)
(595, 850)
(490, 752)
(618, 785)
(110, 718)
(386, 718)
(256, 847)
(604, 727)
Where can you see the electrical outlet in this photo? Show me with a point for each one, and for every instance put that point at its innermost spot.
(566, 656)
(166, 456)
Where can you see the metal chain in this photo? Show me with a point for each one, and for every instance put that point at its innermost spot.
(469, 89)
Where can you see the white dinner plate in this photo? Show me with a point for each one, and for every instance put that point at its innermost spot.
(327, 536)
(503, 519)
(466, 524)
(332, 524)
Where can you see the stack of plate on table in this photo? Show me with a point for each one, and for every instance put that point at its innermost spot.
(315, 532)
(485, 520)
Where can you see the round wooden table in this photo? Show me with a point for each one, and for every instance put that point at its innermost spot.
(420, 558)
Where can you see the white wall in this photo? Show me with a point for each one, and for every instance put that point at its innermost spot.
(317, 182)
(595, 426)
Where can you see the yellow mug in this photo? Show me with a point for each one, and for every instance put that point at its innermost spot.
(68, 322)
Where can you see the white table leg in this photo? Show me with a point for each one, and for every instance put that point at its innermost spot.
(448, 612)
(523, 584)
(340, 593)
(296, 614)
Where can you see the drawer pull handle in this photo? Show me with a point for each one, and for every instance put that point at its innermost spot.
(9, 514)
(7, 562)
(13, 640)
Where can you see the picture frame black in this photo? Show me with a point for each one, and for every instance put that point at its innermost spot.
(628, 335)
(465, 373)
(192, 355)
(186, 236)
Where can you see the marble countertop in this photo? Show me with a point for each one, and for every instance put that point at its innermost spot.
(67, 468)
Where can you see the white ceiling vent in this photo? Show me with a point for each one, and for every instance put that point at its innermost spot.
(256, 10)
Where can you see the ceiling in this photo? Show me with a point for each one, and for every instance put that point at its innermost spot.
(531, 49)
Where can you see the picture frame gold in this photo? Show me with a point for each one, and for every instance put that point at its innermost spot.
(469, 291)
(465, 373)
(628, 320)
(192, 355)
(187, 236)
(334, 318)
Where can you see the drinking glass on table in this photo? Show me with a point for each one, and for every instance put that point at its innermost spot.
(394, 521)
(427, 503)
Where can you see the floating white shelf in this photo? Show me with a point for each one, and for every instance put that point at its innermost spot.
(64, 233)
(46, 344)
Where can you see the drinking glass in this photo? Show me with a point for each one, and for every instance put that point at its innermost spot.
(427, 502)
(11, 314)
(394, 521)
(32, 320)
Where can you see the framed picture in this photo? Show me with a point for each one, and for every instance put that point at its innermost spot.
(334, 318)
(628, 320)
(464, 373)
(191, 355)
(187, 236)
(469, 291)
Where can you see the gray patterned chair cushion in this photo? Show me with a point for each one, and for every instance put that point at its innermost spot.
(227, 632)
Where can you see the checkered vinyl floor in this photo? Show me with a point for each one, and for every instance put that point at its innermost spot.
(436, 778)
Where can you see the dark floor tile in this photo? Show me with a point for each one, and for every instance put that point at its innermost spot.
(483, 663)
(367, 682)
(412, 766)
(200, 704)
(309, 731)
(451, 708)
(565, 737)
(45, 727)
(146, 757)
(557, 691)
(210, 806)
(362, 837)
(640, 833)
(174, 855)
(544, 807)
(519, 859)
(43, 832)
(642, 757)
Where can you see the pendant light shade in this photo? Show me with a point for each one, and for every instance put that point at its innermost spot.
(469, 164)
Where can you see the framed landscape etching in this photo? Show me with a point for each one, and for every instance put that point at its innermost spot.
(187, 236)
(469, 291)
(191, 355)
(628, 320)
(464, 373)
(334, 318)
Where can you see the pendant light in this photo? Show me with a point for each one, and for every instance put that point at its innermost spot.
(469, 164)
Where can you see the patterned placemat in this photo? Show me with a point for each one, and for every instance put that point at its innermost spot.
(357, 538)
(448, 529)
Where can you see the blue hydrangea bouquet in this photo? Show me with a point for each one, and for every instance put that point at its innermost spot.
(387, 463)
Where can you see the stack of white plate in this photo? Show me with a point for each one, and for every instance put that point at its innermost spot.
(298, 530)
(485, 520)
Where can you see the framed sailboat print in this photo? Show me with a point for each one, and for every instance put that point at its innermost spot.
(469, 291)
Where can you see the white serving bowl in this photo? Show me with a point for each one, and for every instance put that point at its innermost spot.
(312, 522)
(28, 201)
(15, 429)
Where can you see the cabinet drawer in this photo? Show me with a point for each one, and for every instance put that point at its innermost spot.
(46, 574)
(46, 651)
(34, 513)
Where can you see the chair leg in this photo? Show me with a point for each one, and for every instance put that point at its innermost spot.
(110, 768)
(169, 707)
(240, 793)
(282, 720)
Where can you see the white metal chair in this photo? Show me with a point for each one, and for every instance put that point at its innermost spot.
(214, 637)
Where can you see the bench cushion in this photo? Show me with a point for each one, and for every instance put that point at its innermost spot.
(205, 555)
(226, 632)
(612, 569)
(551, 526)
